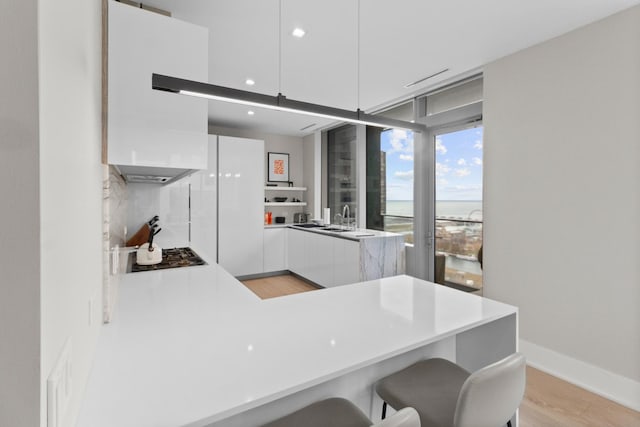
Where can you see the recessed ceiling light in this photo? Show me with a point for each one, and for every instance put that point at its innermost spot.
(251, 113)
(298, 32)
(250, 82)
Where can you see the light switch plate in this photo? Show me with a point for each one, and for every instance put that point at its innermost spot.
(59, 387)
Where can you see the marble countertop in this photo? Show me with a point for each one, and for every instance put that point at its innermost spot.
(191, 346)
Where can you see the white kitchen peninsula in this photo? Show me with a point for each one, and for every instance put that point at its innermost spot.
(194, 347)
(342, 257)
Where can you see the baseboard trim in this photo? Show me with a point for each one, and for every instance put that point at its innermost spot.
(607, 384)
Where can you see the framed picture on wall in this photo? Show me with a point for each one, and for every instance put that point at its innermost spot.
(278, 167)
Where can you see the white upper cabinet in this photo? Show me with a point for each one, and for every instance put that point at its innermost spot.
(147, 127)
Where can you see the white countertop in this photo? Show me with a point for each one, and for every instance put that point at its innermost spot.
(285, 225)
(190, 346)
(355, 234)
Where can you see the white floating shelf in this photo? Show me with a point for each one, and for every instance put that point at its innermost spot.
(285, 203)
(285, 188)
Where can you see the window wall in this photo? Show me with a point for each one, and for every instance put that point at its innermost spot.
(424, 185)
(342, 174)
(390, 175)
(390, 181)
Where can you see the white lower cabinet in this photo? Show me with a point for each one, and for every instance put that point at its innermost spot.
(346, 262)
(325, 260)
(275, 248)
(296, 259)
(318, 251)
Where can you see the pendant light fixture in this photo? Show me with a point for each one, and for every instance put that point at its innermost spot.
(281, 102)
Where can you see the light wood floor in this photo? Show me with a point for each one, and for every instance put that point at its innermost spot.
(548, 401)
(278, 286)
(551, 402)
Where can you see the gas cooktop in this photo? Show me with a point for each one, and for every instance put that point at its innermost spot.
(171, 258)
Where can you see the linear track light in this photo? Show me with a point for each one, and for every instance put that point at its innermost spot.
(279, 102)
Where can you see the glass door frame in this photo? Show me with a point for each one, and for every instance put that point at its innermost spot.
(424, 183)
(433, 134)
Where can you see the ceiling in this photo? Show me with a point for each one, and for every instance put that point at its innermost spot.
(399, 42)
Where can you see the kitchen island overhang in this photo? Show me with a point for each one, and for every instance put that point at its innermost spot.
(195, 347)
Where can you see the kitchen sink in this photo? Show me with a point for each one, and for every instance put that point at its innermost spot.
(334, 229)
(308, 225)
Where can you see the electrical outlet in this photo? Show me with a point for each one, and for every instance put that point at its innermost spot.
(59, 387)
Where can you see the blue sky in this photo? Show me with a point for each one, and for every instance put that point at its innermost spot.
(458, 164)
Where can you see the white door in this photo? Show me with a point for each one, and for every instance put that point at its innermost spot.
(240, 205)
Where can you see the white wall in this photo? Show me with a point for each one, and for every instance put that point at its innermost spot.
(562, 200)
(69, 68)
(19, 216)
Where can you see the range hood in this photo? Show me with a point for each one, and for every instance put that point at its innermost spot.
(152, 175)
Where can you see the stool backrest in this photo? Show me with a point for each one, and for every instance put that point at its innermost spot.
(406, 417)
(491, 395)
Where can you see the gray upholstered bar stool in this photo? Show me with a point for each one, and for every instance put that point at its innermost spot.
(445, 395)
(339, 412)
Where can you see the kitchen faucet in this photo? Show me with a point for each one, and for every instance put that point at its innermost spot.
(346, 215)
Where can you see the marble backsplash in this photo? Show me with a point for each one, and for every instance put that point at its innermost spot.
(114, 192)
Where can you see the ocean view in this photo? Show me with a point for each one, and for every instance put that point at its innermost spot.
(459, 209)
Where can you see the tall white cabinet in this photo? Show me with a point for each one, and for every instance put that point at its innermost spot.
(204, 206)
(240, 205)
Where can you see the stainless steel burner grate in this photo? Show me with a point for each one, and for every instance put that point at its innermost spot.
(171, 258)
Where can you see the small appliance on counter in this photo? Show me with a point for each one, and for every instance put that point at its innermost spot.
(149, 255)
(300, 218)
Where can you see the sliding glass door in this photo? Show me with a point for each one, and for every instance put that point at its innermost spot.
(458, 207)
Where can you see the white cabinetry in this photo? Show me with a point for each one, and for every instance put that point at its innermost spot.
(318, 250)
(275, 243)
(147, 127)
(204, 199)
(240, 205)
(296, 259)
(325, 260)
(346, 262)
